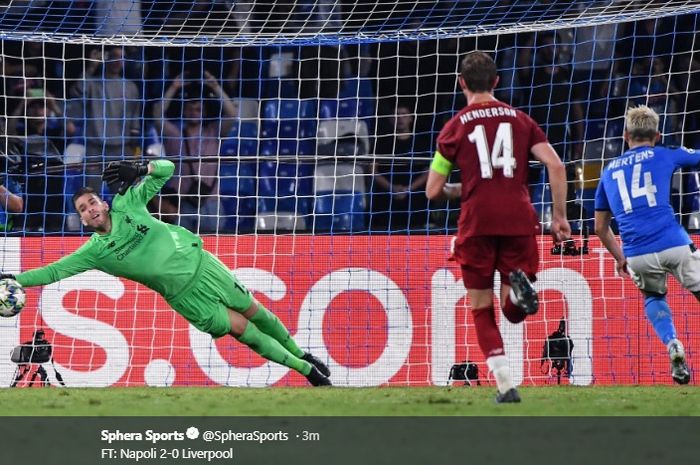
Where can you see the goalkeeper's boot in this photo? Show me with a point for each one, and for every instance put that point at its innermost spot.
(316, 378)
(679, 369)
(315, 361)
(511, 396)
(524, 292)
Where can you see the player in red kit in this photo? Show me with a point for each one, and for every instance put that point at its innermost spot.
(490, 143)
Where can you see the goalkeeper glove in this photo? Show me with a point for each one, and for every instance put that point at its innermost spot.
(7, 276)
(124, 172)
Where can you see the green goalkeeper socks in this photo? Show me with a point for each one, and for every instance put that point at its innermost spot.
(271, 325)
(269, 348)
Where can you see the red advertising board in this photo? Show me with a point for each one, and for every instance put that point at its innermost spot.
(383, 310)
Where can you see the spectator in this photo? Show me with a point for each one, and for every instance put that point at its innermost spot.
(241, 74)
(197, 183)
(688, 78)
(593, 62)
(29, 65)
(41, 117)
(552, 103)
(644, 39)
(649, 85)
(197, 17)
(117, 17)
(405, 70)
(42, 131)
(109, 106)
(638, 42)
(507, 59)
(398, 190)
(11, 201)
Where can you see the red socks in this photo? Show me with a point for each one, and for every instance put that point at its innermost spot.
(514, 313)
(487, 332)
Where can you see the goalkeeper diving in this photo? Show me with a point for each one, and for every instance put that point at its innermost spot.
(129, 242)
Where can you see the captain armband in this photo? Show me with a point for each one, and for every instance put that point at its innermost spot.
(441, 165)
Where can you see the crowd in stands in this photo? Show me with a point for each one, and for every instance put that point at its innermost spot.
(324, 138)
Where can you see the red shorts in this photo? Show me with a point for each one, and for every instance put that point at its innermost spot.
(482, 256)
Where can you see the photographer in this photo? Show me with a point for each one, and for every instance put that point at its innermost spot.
(196, 183)
(108, 107)
(38, 350)
(557, 353)
(35, 352)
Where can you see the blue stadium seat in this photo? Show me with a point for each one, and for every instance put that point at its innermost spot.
(242, 140)
(307, 126)
(248, 139)
(350, 87)
(328, 109)
(340, 212)
(238, 178)
(308, 108)
(229, 144)
(281, 109)
(287, 127)
(305, 187)
(340, 198)
(347, 107)
(283, 187)
(360, 97)
(275, 87)
(238, 190)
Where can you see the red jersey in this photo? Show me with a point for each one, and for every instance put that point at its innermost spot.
(490, 143)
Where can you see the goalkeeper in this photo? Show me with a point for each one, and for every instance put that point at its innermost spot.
(128, 242)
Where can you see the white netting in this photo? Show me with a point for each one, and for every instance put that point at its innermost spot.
(302, 133)
(223, 22)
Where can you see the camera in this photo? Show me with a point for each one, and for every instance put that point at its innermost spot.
(568, 247)
(29, 357)
(38, 350)
(466, 371)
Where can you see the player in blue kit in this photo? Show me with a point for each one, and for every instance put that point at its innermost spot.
(635, 188)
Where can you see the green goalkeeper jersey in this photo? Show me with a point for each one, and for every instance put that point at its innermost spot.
(163, 257)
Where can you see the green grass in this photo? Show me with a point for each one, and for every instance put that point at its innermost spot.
(462, 401)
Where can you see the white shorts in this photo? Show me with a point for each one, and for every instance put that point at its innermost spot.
(649, 271)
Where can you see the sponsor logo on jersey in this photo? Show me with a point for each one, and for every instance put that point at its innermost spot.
(125, 249)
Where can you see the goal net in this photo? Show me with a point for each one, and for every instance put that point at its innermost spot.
(302, 133)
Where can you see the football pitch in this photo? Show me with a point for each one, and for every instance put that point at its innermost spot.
(377, 401)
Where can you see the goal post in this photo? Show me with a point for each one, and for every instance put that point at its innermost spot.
(302, 132)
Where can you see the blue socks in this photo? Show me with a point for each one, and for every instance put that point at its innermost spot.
(659, 315)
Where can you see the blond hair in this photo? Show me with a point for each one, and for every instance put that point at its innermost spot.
(641, 123)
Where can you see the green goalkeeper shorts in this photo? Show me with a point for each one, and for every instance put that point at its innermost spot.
(206, 304)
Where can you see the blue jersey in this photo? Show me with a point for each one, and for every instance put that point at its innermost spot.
(636, 188)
